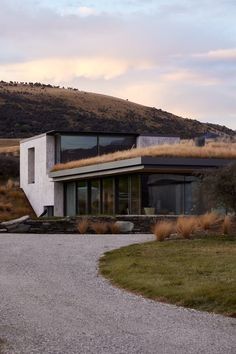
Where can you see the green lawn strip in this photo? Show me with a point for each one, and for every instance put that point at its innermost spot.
(200, 273)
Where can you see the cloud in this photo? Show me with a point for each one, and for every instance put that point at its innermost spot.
(62, 70)
(219, 55)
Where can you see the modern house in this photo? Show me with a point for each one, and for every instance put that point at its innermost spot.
(87, 181)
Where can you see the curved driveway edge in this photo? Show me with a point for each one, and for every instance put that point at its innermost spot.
(54, 301)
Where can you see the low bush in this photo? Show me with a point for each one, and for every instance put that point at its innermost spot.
(208, 220)
(227, 225)
(186, 226)
(114, 228)
(82, 225)
(100, 227)
(163, 229)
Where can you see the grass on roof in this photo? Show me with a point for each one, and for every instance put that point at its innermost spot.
(214, 150)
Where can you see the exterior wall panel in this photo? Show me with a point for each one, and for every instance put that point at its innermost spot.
(41, 192)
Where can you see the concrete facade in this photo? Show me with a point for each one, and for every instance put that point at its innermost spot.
(39, 190)
(144, 141)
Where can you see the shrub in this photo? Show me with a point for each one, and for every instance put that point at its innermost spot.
(10, 184)
(227, 225)
(114, 228)
(220, 186)
(6, 207)
(100, 227)
(82, 225)
(163, 229)
(207, 220)
(186, 226)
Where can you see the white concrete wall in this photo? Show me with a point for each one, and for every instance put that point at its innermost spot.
(40, 193)
(144, 141)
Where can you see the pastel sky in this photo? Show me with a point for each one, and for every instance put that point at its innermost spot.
(177, 55)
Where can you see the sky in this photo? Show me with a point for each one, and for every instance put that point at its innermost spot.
(177, 55)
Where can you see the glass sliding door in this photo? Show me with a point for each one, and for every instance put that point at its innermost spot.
(164, 193)
(95, 201)
(135, 201)
(123, 196)
(108, 196)
(82, 198)
(70, 199)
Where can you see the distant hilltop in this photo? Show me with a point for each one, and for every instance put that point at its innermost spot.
(27, 109)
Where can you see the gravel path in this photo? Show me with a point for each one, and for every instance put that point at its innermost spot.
(53, 301)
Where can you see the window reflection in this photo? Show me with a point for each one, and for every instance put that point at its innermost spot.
(95, 197)
(109, 144)
(108, 196)
(75, 147)
(82, 198)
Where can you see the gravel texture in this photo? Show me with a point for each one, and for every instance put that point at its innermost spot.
(54, 301)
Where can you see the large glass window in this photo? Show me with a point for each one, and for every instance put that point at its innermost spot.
(82, 198)
(123, 195)
(169, 194)
(95, 197)
(135, 195)
(108, 199)
(76, 147)
(108, 144)
(70, 199)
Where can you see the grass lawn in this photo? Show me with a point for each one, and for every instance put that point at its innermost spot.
(199, 273)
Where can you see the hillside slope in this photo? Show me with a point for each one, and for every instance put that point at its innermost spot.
(29, 109)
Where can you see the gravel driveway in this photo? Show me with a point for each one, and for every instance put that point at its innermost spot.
(53, 301)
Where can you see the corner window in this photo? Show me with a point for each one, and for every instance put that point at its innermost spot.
(31, 165)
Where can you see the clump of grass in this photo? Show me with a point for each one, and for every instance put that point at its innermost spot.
(227, 225)
(186, 226)
(208, 220)
(163, 229)
(114, 228)
(100, 227)
(10, 184)
(6, 207)
(82, 225)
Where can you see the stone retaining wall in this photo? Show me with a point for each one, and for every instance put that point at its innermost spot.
(142, 224)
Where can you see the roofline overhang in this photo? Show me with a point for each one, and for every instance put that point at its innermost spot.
(141, 164)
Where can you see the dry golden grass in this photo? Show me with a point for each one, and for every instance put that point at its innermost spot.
(100, 227)
(9, 146)
(227, 225)
(5, 207)
(82, 225)
(13, 150)
(208, 220)
(13, 203)
(186, 226)
(223, 150)
(114, 228)
(163, 229)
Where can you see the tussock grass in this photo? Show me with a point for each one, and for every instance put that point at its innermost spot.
(227, 225)
(100, 227)
(198, 274)
(82, 225)
(13, 203)
(186, 226)
(114, 228)
(222, 150)
(163, 229)
(208, 220)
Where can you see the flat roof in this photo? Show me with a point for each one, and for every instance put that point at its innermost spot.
(139, 164)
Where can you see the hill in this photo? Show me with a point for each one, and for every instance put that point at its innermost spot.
(29, 109)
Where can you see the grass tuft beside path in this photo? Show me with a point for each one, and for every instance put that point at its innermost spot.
(199, 274)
